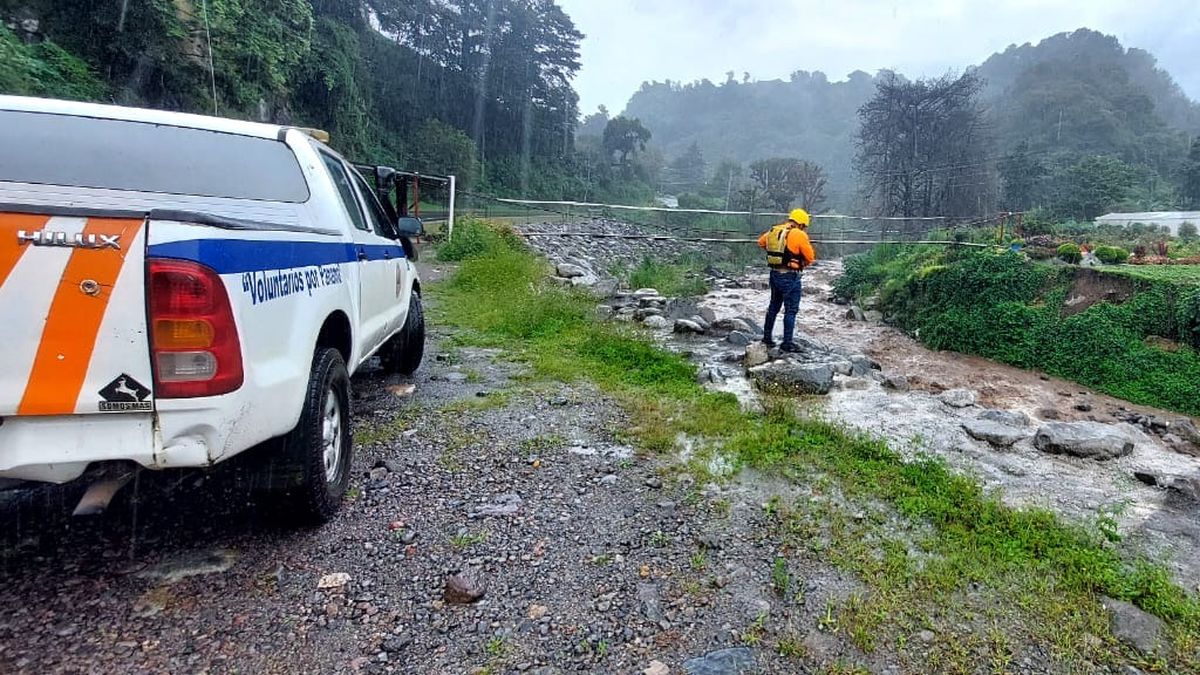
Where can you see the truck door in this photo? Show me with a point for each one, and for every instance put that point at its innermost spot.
(388, 245)
(377, 282)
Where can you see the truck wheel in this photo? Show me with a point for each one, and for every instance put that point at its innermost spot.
(320, 447)
(403, 353)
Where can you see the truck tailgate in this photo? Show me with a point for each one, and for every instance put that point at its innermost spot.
(72, 298)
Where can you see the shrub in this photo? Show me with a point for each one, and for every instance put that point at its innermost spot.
(1187, 231)
(1070, 253)
(678, 279)
(474, 238)
(1112, 255)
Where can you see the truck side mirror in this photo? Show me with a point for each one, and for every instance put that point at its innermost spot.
(408, 226)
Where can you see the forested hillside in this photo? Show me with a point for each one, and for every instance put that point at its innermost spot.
(481, 89)
(1050, 110)
(807, 116)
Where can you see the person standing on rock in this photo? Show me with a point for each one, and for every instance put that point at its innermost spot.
(788, 252)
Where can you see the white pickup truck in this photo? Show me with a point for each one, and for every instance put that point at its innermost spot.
(177, 289)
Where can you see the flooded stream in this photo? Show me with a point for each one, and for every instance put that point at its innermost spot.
(1163, 523)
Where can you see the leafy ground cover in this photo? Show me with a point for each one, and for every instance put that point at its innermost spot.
(1005, 307)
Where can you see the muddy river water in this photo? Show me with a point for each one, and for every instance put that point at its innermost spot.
(1164, 524)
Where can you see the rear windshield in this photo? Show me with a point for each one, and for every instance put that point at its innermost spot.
(118, 155)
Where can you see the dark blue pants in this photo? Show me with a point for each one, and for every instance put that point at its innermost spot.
(785, 293)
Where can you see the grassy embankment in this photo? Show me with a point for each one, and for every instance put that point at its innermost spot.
(1011, 575)
(1003, 307)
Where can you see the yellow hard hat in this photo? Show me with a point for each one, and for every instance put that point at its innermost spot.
(800, 217)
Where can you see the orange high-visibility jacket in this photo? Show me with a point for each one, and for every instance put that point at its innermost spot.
(797, 243)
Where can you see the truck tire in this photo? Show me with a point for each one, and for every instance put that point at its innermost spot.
(319, 450)
(403, 353)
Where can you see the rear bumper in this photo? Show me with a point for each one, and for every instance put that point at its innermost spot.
(60, 449)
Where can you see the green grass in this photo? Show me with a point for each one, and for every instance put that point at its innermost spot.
(474, 237)
(1051, 570)
(378, 432)
(679, 279)
(468, 539)
(1176, 274)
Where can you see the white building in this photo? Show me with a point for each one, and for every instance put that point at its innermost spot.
(1172, 219)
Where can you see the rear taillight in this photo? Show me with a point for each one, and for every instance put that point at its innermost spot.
(193, 336)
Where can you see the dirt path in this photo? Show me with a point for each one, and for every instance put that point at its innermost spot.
(1164, 523)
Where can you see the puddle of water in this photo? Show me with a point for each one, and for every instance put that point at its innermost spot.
(609, 451)
(190, 564)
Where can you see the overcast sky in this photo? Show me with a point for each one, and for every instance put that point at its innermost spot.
(631, 41)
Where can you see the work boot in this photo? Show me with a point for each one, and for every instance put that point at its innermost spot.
(768, 342)
(789, 347)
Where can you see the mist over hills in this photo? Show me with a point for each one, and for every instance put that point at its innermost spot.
(1072, 94)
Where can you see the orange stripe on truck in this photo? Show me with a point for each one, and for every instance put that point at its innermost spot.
(10, 248)
(73, 323)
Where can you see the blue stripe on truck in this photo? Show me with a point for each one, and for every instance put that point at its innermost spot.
(234, 256)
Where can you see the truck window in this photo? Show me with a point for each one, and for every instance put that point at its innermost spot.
(345, 191)
(50, 149)
(375, 212)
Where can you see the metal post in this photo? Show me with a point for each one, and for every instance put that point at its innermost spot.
(450, 219)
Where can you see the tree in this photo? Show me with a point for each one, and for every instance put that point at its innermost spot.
(809, 180)
(625, 136)
(1023, 175)
(1187, 231)
(1093, 186)
(593, 125)
(689, 170)
(441, 149)
(922, 147)
(782, 181)
(1191, 177)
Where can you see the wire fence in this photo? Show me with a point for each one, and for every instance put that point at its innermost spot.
(835, 235)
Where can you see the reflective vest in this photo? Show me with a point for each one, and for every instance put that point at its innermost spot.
(779, 256)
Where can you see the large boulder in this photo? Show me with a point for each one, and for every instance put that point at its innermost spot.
(958, 398)
(739, 338)
(604, 288)
(730, 325)
(686, 326)
(996, 433)
(1090, 440)
(1136, 628)
(809, 343)
(863, 365)
(1010, 417)
(756, 354)
(788, 377)
(754, 323)
(569, 271)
